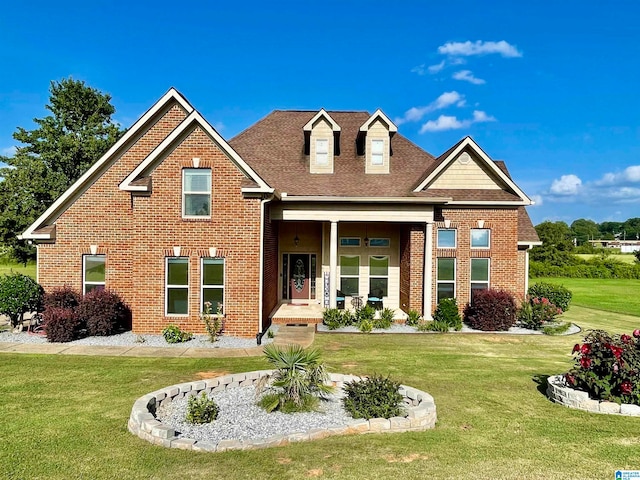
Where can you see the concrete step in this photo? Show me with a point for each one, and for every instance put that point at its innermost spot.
(295, 334)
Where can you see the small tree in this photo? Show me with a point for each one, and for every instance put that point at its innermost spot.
(19, 294)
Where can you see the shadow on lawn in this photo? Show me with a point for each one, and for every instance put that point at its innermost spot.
(541, 381)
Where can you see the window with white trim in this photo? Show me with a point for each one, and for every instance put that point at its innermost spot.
(93, 272)
(349, 241)
(379, 242)
(446, 278)
(377, 152)
(480, 237)
(447, 238)
(212, 283)
(177, 286)
(196, 192)
(379, 276)
(350, 275)
(479, 275)
(322, 151)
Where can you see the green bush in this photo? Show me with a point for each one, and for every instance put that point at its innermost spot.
(385, 320)
(19, 294)
(536, 312)
(297, 382)
(364, 318)
(201, 409)
(365, 325)
(593, 268)
(173, 334)
(559, 295)
(556, 329)
(413, 318)
(374, 397)
(447, 314)
(436, 326)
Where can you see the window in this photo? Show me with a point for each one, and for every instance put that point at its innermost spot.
(177, 286)
(446, 238)
(322, 151)
(379, 276)
(446, 278)
(379, 242)
(349, 241)
(479, 274)
(196, 192)
(377, 152)
(93, 272)
(480, 238)
(350, 274)
(212, 283)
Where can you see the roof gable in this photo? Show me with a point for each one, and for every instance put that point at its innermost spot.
(321, 114)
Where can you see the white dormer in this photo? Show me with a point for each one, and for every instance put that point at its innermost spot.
(375, 137)
(322, 135)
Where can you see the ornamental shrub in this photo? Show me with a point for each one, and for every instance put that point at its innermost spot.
(19, 294)
(332, 318)
(447, 315)
(103, 312)
(491, 310)
(536, 312)
(413, 318)
(385, 320)
(365, 318)
(201, 409)
(61, 324)
(62, 297)
(173, 334)
(607, 366)
(374, 397)
(559, 295)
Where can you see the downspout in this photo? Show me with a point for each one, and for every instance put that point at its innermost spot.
(263, 202)
(526, 270)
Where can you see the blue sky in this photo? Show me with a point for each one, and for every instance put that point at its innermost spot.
(549, 87)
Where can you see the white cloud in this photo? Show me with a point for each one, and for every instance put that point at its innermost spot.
(628, 175)
(436, 68)
(447, 122)
(420, 69)
(480, 116)
(467, 76)
(566, 185)
(8, 151)
(479, 47)
(537, 200)
(445, 100)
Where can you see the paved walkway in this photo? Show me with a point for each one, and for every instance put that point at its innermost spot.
(302, 335)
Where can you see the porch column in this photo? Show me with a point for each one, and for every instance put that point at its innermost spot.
(333, 264)
(428, 271)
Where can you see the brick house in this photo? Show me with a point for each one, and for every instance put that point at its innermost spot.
(301, 211)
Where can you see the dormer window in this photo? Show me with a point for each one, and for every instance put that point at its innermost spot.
(377, 152)
(322, 142)
(322, 151)
(374, 138)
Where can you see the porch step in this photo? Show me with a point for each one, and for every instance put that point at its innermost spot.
(302, 335)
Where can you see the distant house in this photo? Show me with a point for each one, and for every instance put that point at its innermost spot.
(301, 211)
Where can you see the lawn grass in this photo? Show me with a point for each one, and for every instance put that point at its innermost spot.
(608, 294)
(620, 257)
(8, 267)
(65, 416)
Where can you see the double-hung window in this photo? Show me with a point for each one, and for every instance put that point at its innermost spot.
(446, 278)
(177, 286)
(480, 238)
(196, 192)
(379, 275)
(322, 151)
(377, 152)
(479, 275)
(446, 238)
(93, 277)
(212, 283)
(350, 275)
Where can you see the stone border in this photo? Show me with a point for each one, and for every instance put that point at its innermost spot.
(559, 392)
(419, 406)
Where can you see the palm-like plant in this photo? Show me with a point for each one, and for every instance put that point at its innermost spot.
(297, 382)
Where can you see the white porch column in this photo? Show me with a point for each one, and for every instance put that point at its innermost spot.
(526, 270)
(428, 271)
(333, 264)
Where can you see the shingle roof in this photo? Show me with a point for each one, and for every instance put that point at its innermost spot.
(526, 231)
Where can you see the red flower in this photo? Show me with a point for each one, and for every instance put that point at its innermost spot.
(569, 379)
(576, 348)
(626, 387)
(585, 362)
(625, 338)
(636, 333)
(585, 349)
(559, 311)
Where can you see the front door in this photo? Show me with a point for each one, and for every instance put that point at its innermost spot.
(299, 277)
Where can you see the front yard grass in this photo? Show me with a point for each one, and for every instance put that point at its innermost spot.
(65, 417)
(10, 267)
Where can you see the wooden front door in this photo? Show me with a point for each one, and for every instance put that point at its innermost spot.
(299, 277)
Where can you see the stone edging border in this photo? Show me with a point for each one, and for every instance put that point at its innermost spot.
(559, 392)
(419, 405)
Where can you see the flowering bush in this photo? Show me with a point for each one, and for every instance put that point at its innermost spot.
(536, 312)
(607, 367)
(212, 322)
(559, 295)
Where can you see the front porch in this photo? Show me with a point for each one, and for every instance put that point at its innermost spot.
(287, 313)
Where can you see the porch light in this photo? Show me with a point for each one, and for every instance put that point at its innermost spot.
(296, 240)
(366, 236)
(366, 241)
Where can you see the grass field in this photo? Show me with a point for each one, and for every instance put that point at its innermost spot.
(30, 269)
(622, 257)
(64, 417)
(611, 295)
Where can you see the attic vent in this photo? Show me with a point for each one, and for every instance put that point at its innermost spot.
(464, 158)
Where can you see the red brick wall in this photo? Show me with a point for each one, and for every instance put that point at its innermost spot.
(137, 233)
(506, 265)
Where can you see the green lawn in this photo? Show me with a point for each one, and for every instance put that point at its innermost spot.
(65, 417)
(620, 257)
(30, 269)
(611, 295)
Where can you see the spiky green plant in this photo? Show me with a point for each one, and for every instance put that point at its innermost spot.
(297, 382)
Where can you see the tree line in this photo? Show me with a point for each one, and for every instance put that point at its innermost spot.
(565, 237)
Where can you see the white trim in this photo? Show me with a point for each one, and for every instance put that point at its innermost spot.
(349, 238)
(328, 198)
(489, 203)
(388, 257)
(427, 290)
(378, 114)
(388, 239)
(469, 142)
(322, 113)
(84, 271)
(167, 286)
(339, 286)
(193, 119)
(185, 193)
(488, 247)
(455, 237)
(333, 263)
(203, 286)
(52, 212)
(529, 244)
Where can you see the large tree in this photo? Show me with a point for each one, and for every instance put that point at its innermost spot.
(53, 156)
(584, 230)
